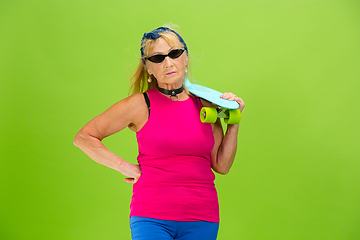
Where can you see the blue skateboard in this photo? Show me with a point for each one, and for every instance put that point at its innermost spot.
(223, 108)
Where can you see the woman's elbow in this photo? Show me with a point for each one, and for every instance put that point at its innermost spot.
(76, 140)
(224, 171)
(79, 138)
(221, 170)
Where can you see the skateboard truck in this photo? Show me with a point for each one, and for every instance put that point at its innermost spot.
(223, 108)
(210, 115)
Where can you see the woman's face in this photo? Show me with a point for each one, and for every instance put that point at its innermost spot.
(169, 72)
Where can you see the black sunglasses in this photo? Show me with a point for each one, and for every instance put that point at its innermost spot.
(173, 54)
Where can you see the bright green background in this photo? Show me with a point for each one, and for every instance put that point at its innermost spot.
(295, 63)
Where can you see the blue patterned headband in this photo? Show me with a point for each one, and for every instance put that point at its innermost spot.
(154, 34)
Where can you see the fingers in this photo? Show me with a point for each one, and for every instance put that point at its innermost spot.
(132, 171)
(131, 180)
(232, 97)
(134, 179)
(229, 96)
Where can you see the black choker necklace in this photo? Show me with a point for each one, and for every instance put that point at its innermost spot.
(172, 93)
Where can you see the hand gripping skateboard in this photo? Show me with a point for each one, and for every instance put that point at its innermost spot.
(229, 110)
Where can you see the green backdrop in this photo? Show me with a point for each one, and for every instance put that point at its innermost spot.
(296, 64)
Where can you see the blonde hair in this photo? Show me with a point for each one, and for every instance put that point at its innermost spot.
(139, 80)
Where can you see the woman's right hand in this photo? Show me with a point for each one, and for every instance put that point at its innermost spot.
(132, 171)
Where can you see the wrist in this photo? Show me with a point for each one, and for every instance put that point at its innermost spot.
(121, 164)
(233, 126)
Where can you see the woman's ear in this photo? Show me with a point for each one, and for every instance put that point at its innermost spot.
(186, 60)
(148, 70)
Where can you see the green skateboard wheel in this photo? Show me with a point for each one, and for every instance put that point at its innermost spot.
(208, 115)
(234, 116)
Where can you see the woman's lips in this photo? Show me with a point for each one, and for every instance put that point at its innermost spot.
(170, 73)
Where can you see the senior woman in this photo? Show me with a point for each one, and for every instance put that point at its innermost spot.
(174, 195)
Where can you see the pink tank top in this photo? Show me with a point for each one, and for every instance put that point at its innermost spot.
(177, 182)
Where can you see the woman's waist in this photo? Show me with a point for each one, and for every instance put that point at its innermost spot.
(177, 172)
(183, 193)
(176, 202)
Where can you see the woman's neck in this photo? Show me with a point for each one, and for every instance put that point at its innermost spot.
(170, 86)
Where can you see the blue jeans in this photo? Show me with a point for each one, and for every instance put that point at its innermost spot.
(143, 228)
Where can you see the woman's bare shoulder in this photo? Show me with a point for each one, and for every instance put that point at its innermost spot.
(133, 101)
(128, 112)
(134, 109)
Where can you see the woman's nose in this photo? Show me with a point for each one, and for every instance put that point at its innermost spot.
(168, 61)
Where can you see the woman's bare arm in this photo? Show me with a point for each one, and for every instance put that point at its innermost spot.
(224, 151)
(130, 112)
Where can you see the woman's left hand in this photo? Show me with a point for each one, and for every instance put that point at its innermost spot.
(232, 97)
